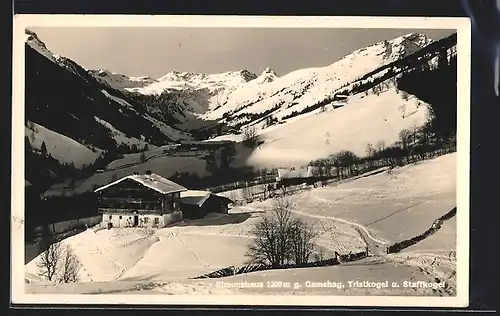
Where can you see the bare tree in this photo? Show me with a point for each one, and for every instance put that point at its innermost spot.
(264, 189)
(343, 161)
(319, 255)
(246, 193)
(70, 267)
(404, 138)
(49, 260)
(370, 150)
(281, 238)
(414, 133)
(303, 238)
(402, 110)
(405, 95)
(380, 146)
(250, 137)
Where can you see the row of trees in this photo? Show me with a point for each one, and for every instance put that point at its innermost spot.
(413, 144)
(218, 162)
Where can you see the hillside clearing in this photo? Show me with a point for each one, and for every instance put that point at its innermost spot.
(193, 248)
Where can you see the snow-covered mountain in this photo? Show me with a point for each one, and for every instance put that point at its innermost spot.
(196, 81)
(77, 117)
(110, 105)
(239, 98)
(62, 148)
(118, 110)
(120, 81)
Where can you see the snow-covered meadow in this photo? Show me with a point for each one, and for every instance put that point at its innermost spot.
(372, 211)
(62, 148)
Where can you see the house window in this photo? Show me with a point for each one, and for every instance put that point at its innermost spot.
(156, 221)
(110, 216)
(120, 217)
(146, 219)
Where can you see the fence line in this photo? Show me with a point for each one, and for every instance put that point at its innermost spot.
(229, 271)
(397, 247)
(362, 168)
(65, 226)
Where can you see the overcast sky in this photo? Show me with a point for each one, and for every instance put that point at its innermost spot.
(155, 51)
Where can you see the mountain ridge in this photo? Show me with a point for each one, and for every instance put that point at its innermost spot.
(221, 97)
(191, 105)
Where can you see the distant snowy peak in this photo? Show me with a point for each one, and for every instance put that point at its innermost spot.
(32, 38)
(268, 75)
(394, 49)
(202, 78)
(36, 43)
(408, 44)
(196, 81)
(120, 81)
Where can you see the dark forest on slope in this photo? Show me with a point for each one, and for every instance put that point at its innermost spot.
(438, 88)
(67, 104)
(77, 100)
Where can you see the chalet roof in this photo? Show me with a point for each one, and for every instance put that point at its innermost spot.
(297, 173)
(153, 181)
(195, 197)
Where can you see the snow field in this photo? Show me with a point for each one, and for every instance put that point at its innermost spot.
(322, 134)
(120, 137)
(369, 269)
(192, 248)
(62, 148)
(295, 143)
(397, 206)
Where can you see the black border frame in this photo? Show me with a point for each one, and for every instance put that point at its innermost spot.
(485, 18)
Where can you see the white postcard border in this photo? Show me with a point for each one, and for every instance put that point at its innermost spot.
(462, 25)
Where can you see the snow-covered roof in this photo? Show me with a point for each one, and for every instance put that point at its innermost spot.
(153, 181)
(297, 173)
(196, 197)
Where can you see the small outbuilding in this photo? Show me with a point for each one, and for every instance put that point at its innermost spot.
(196, 204)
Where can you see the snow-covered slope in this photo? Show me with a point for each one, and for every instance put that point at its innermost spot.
(306, 87)
(383, 205)
(119, 81)
(62, 148)
(365, 119)
(121, 138)
(186, 81)
(237, 96)
(58, 87)
(34, 41)
(38, 45)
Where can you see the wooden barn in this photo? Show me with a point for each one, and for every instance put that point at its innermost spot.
(197, 204)
(147, 200)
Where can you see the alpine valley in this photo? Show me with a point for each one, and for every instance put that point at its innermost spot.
(362, 153)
